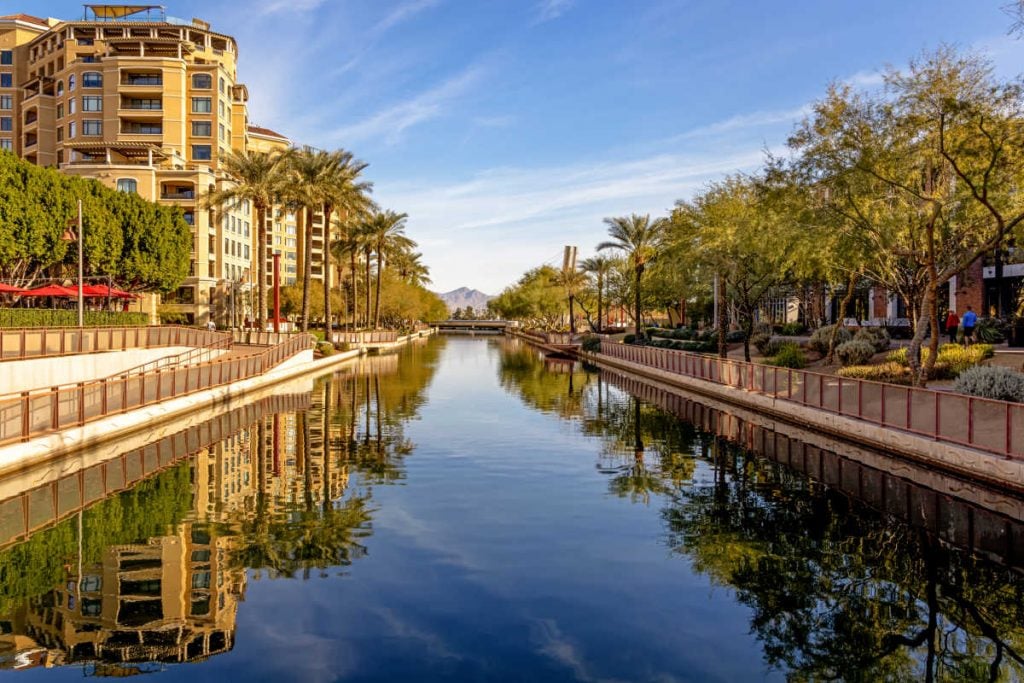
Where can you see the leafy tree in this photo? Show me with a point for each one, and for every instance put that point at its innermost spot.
(600, 267)
(639, 239)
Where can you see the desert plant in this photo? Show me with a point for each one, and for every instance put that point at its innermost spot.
(854, 352)
(990, 331)
(893, 373)
(951, 361)
(821, 336)
(876, 336)
(994, 382)
(760, 340)
(790, 355)
(792, 329)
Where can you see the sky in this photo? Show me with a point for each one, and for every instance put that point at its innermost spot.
(507, 129)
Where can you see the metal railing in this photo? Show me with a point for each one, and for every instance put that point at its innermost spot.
(34, 413)
(42, 342)
(368, 337)
(981, 423)
(257, 338)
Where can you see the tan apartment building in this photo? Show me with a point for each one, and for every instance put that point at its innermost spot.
(143, 103)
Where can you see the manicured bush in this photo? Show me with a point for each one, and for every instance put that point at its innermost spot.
(682, 333)
(591, 343)
(854, 352)
(695, 346)
(60, 317)
(342, 346)
(822, 335)
(629, 339)
(876, 336)
(759, 340)
(792, 329)
(893, 373)
(994, 382)
(324, 348)
(735, 337)
(707, 334)
(653, 332)
(775, 345)
(790, 355)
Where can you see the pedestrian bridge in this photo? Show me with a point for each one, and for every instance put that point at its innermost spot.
(475, 326)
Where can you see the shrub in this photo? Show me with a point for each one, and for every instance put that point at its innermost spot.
(651, 331)
(695, 346)
(682, 333)
(876, 336)
(775, 345)
(759, 340)
(324, 348)
(629, 339)
(591, 343)
(854, 352)
(952, 360)
(661, 343)
(790, 355)
(63, 317)
(707, 334)
(894, 373)
(342, 346)
(735, 336)
(822, 335)
(763, 328)
(792, 329)
(659, 332)
(990, 331)
(995, 382)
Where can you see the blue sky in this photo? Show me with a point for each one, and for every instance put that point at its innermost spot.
(509, 128)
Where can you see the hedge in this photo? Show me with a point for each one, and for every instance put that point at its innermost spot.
(59, 317)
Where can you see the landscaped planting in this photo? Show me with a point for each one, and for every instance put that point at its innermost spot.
(994, 382)
(855, 352)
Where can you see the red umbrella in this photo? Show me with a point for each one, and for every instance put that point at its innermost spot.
(10, 289)
(52, 290)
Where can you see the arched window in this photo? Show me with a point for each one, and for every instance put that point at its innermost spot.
(202, 81)
(127, 185)
(92, 79)
(71, 82)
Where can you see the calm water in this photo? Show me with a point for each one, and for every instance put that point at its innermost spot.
(468, 510)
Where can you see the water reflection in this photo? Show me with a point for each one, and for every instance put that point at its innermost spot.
(851, 572)
(141, 559)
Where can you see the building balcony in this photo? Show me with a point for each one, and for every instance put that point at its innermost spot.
(141, 112)
(185, 195)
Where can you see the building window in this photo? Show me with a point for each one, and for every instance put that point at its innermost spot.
(92, 127)
(245, 250)
(60, 88)
(60, 134)
(92, 103)
(202, 81)
(202, 105)
(6, 123)
(202, 152)
(71, 83)
(60, 110)
(127, 185)
(71, 105)
(190, 218)
(92, 79)
(201, 129)
(6, 80)
(6, 102)
(71, 129)
(222, 85)
(142, 128)
(6, 144)
(221, 128)
(6, 57)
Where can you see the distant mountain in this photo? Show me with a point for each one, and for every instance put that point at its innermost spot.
(463, 297)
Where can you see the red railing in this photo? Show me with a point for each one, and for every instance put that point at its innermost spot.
(33, 413)
(41, 342)
(367, 337)
(981, 423)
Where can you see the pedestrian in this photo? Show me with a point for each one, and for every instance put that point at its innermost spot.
(969, 320)
(211, 326)
(952, 323)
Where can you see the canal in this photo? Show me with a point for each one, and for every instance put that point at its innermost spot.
(469, 510)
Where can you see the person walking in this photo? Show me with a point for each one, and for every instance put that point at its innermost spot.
(952, 323)
(969, 320)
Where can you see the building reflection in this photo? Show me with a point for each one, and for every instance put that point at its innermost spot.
(143, 559)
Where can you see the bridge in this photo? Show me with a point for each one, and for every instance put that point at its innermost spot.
(475, 326)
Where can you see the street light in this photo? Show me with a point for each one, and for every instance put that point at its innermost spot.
(77, 237)
(277, 291)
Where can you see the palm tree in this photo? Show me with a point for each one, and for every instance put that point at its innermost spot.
(342, 191)
(351, 245)
(385, 233)
(573, 281)
(258, 178)
(598, 266)
(411, 268)
(309, 182)
(639, 238)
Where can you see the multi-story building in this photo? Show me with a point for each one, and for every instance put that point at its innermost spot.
(282, 224)
(143, 103)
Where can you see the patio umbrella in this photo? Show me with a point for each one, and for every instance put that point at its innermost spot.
(10, 289)
(105, 291)
(52, 290)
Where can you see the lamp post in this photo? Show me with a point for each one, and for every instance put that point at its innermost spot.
(277, 291)
(76, 235)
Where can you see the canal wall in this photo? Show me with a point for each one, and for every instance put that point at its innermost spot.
(193, 408)
(992, 469)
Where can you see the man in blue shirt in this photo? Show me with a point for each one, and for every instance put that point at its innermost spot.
(968, 321)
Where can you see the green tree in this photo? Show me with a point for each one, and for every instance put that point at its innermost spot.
(600, 267)
(639, 239)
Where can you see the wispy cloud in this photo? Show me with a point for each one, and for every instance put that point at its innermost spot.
(390, 123)
(757, 119)
(402, 13)
(274, 6)
(552, 9)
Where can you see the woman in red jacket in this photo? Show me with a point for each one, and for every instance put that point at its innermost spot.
(952, 323)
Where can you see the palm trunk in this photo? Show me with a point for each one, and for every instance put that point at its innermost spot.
(261, 266)
(326, 268)
(572, 316)
(368, 254)
(376, 301)
(600, 291)
(307, 268)
(355, 289)
(640, 336)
